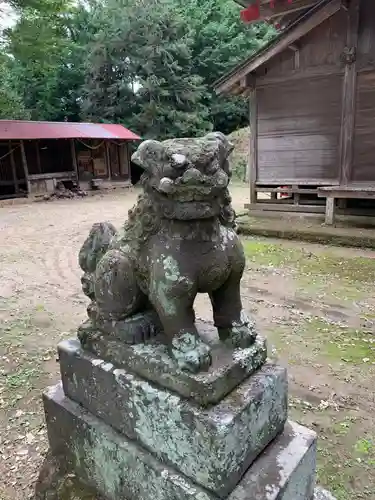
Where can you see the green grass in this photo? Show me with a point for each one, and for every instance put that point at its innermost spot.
(320, 273)
(21, 378)
(323, 339)
(352, 270)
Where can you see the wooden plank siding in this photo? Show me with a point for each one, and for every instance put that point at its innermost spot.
(364, 136)
(366, 35)
(320, 48)
(300, 109)
(363, 169)
(299, 132)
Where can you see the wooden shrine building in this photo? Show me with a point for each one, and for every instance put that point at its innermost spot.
(34, 156)
(312, 107)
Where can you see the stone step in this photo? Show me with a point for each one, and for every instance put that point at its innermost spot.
(118, 468)
(212, 446)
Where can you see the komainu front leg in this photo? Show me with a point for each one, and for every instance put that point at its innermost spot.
(172, 294)
(234, 327)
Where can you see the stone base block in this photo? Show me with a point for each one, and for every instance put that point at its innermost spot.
(213, 447)
(152, 361)
(105, 460)
(284, 471)
(116, 467)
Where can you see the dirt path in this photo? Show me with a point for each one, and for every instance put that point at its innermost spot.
(313, 303)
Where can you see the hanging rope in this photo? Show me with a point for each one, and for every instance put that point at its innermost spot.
(91, 147)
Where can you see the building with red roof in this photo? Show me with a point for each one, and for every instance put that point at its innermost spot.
(35, 156)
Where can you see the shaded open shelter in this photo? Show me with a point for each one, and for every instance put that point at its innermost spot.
(312, 109)
(35, 156)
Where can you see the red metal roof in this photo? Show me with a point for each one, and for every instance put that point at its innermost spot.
(22, 129)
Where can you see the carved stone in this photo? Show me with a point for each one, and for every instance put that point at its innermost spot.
(179, 240)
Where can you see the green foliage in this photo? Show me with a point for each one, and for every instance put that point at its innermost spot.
(11, 102)
(222, 40)
(141, 68)
(149, 65)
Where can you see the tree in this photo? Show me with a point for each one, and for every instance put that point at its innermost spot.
(48, 45)
(222, 40)
(11, 102)
(149, 64)
(141, 72)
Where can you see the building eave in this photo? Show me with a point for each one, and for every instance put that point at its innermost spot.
(237, 80)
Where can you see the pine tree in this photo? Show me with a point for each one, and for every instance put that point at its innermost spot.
(142, 72)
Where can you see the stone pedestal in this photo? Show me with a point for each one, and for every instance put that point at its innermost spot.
(122, 426)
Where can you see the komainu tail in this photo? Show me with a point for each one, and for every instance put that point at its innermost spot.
(95, 246)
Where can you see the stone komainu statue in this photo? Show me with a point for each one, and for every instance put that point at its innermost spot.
(178, 241)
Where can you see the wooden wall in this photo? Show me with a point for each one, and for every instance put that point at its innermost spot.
(299, 96)
(363, 169)
(299, 131)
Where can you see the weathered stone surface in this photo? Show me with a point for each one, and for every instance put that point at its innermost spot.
(214, 447)
(108, 462)
(117, 468)
(152, 362)
(284, 471)
(321, 494)
(179, 240)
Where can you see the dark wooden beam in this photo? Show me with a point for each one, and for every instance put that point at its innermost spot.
(74, 158)
(38, 162)
(13, 165)
(24, 164)
(108, 160)
(253, 155)
(349, 94)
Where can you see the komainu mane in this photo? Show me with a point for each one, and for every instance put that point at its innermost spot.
(179, 241)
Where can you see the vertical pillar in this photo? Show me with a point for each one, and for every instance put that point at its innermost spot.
(108, 160)
(14, 170)
(24, 164)
(349, 94)
(74, 159)
(253, 156)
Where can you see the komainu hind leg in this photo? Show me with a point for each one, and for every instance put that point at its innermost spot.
(120, 308)
(117, 294)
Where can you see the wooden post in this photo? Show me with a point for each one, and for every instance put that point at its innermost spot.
(14, 170)
(24, 164)
(37, 143)
(330, 211)
(108, 160)
(74, 159)
(349, 94)
(296, 196)
(253, 155)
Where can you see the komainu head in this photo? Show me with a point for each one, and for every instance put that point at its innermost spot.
(186, 178)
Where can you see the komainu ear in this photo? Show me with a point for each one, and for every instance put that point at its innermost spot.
(150, 155)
